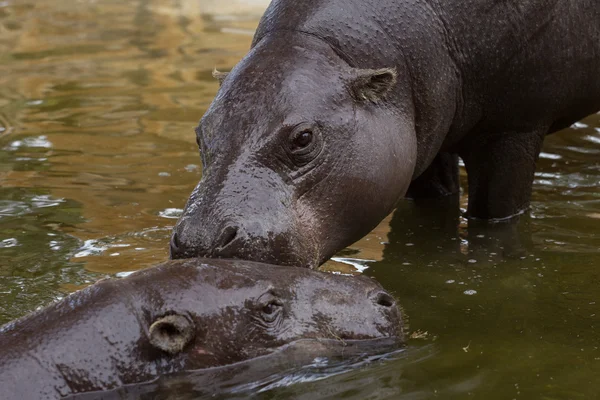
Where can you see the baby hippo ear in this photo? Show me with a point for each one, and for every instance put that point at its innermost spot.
(220, 76)
(171, 333)
(373, 84)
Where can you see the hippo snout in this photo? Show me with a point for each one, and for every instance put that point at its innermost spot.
(228, 242)
(242, 211)
(253, 242)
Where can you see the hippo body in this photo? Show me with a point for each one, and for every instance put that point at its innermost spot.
(183, 316)
(341, 107)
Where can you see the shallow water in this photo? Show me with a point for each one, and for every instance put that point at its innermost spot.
(98, 101)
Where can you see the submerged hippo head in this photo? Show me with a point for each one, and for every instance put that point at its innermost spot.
(302, 156)
(215, 312)
(187, 315)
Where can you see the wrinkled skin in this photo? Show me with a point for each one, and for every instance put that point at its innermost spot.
(342, 106)
(184, 315)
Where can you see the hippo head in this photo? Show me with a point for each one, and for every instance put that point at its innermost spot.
(302, 155)
(224, 311)
(191, 315)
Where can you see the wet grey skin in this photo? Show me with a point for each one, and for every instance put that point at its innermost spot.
(186, 315)
(343, 107)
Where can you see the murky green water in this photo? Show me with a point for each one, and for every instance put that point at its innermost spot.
(98, 101)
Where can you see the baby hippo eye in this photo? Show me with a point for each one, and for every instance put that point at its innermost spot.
(303, 139)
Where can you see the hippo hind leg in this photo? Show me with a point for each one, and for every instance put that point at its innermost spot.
(500, 170)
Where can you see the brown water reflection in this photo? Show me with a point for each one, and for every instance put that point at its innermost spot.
(116, 90)
(98, 101)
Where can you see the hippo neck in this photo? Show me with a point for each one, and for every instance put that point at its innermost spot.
(365, 37)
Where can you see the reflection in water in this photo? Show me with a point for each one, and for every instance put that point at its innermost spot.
(98, 101)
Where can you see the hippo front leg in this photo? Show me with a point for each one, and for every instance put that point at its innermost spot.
(500, 171)
(440, 179)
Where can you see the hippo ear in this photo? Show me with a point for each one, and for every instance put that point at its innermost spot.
(171, 333)
(373, 84)
(220, 76)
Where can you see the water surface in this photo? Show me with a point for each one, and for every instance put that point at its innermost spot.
(98, 101)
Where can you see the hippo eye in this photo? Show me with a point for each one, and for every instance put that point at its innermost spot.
(304, 144)
(302, 139)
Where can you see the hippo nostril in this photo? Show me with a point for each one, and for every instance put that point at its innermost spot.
(175, 248)
(174, 241)
(384, 299)
(229, 234)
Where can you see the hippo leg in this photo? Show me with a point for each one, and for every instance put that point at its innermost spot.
(440, 179)
(500, 170)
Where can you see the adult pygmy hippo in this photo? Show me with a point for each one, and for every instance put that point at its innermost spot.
(184, 315)
(341, 105)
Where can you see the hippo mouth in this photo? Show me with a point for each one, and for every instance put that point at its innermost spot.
(307, 350)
